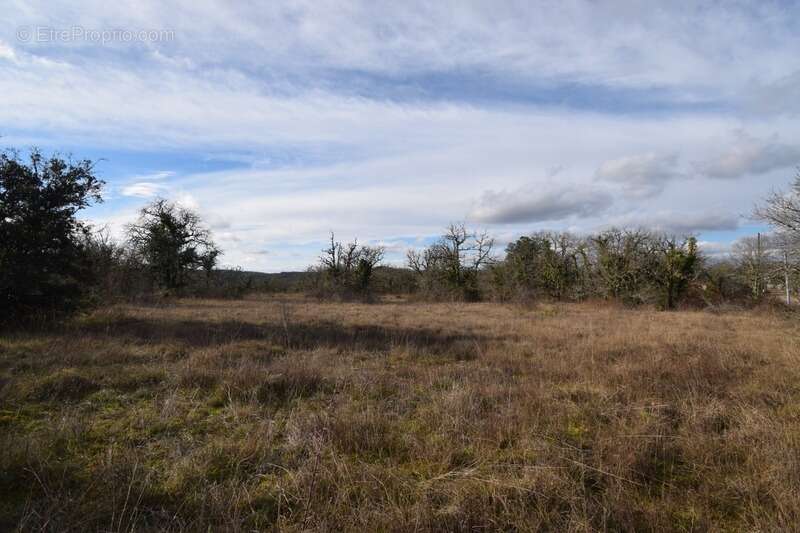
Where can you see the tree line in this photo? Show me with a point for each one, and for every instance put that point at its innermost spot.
(52, 263)
(633, 266)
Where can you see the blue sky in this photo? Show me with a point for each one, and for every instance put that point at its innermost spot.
(388, 120)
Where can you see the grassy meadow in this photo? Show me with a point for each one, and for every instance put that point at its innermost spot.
(284, 413)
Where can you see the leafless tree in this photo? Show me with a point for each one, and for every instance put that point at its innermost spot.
(787, 249)
(348, 268)
(453, 262)
(768, 260)
(782, 209)
(755, 261)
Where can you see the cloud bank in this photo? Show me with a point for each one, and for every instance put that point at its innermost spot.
(531, 204)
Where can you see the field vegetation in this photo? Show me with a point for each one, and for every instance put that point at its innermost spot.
(282, 412)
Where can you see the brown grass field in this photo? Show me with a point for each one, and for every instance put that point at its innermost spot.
(287, 414)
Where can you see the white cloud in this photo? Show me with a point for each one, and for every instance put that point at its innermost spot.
(715, 249)
(749, 155)
(680, 222)
(689, 46)
(775, 97)
(693, 52)
(7, 52)
(160, 175)
(532, 204)
(143, 189)
(640, 175)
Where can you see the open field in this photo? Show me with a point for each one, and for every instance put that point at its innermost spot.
(290, 414)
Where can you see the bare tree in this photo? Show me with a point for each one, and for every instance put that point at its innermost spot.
(787, 249)
(782, 209)
(452, 263)
(768, 260)
(755, 261)
(348, 268)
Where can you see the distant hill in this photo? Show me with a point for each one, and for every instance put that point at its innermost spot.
(276, 281)
(387, 279)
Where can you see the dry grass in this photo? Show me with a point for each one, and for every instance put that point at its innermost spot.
(294, 415)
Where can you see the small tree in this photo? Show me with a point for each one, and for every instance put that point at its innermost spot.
(754, 260)
(786, 246)
(765, 261)
(545, 263)
(40, 236)
(172, 241)
(347, 269)
(677, 264)
(112, 270)
(452, 264)
(622, 263)
(782, 210)
(208, 261)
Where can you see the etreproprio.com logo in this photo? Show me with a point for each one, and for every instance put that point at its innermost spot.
(49, 34)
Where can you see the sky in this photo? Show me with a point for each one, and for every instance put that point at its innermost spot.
(280, 122)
